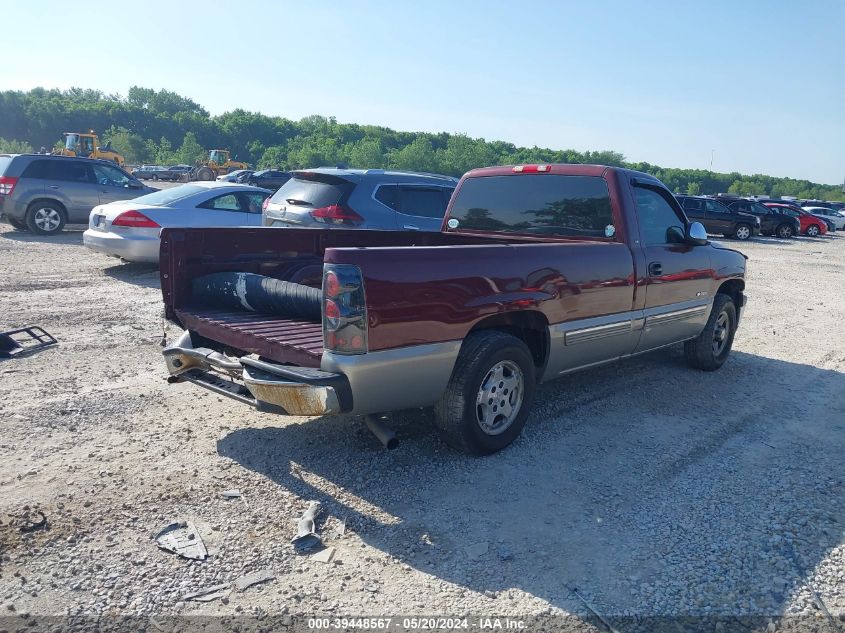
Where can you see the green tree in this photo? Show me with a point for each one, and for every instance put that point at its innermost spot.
(416, 156)
(14, 147)
(190, 151)
(132, 146)
(364, 154)
(693, 188)
(276, 156)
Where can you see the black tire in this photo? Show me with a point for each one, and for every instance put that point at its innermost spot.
(457, 414)
(17, 224)
(742, 232)
(155, 176)
(45, 217)
(205, 173)
(784, 231)
(709, 351)
(813, 230)
(247, 291)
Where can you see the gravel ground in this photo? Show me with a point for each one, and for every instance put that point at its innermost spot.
(648, 488)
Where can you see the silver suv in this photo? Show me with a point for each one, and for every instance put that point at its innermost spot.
(42, 193)
(361, 199)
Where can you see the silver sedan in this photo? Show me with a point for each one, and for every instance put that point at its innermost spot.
(130, 229)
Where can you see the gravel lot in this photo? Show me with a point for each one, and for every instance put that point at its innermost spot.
(649, 488)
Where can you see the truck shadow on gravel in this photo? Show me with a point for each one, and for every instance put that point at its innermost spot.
(651, 488)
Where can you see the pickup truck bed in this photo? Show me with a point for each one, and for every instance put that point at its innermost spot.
(282, 340)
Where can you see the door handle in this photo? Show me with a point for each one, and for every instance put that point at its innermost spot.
(411, 227)
(655, 269)
(54, 186)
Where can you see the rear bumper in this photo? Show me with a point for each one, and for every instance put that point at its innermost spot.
(129, 247)
(266, 386)
(376, 382)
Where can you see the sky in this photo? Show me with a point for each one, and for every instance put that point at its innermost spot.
(755, 86)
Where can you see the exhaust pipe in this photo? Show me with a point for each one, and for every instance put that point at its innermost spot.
(384, 434)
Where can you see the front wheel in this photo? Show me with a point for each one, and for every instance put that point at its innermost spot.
(784, 231)
(489, 395)
(813, 230)
(711, 348)
(742, 232)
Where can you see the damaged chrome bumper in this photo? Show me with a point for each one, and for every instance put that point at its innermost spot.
(264, 385)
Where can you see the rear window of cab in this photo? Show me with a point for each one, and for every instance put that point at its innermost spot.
(534, 204)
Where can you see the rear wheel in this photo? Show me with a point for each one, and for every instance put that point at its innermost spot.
(784, 231)
(155, 176)
(813, 230)
(45, 218)
(489, 395)
(711, 348)
(742, 232)
(205, 173)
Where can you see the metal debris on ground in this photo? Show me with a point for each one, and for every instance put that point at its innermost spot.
(32, 520)
(231, 494)
(340, 530)
(24, 340)
(253, 578)
(609, 626)
(182, 538)
(324, 555)
(306, 534)
(208, 594)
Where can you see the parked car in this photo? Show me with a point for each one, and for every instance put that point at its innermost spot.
(834, 206)
(832, 217)
(42, 193)
(361, 199)
(177, 171)
(540, 270)
(268, 178)
(129, 230)
(718, 219)
(239, 175)
(771, 222)
(811, 225)
(152, 172)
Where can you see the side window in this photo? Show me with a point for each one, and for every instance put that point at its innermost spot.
(108, 175)
(70, 170)
(714, 207)
(656, 216)
(741, 207)
(427, 202)
(759, 209)
(227, 202)
(252, 202)
(696, 205)
(388, 195)
(37, 169)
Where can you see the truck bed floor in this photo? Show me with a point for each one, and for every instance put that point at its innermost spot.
(283, 340)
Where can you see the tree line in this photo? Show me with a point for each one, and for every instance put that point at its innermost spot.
(149, 126)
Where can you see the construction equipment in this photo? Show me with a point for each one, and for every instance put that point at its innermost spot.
(219, 162)
(87, 145)
(24, 341)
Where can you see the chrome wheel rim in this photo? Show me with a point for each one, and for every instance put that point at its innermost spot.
(721, 333)
(743, 233)
(499, 397)
(47, 219)
(785, 231)
(813, 231)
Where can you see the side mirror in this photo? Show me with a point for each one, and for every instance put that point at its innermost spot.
(133, 185)
(696, 234)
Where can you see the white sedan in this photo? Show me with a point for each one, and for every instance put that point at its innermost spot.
(830, 215)
(130, 229)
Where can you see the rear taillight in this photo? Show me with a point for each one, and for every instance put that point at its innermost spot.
(7, 185)
(265, 204)
(135, 218)
(336, 214)
(532, 169)
(344, 310)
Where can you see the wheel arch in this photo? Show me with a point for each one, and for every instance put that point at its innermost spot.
(733, 288)
(529, 326)
(54, 201)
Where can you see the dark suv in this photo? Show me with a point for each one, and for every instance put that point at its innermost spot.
(361, 199)
(271, 179)
(771, 222)
(43, 193)
(718, 219)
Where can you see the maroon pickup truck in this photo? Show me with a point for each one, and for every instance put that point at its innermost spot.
(540, 270)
